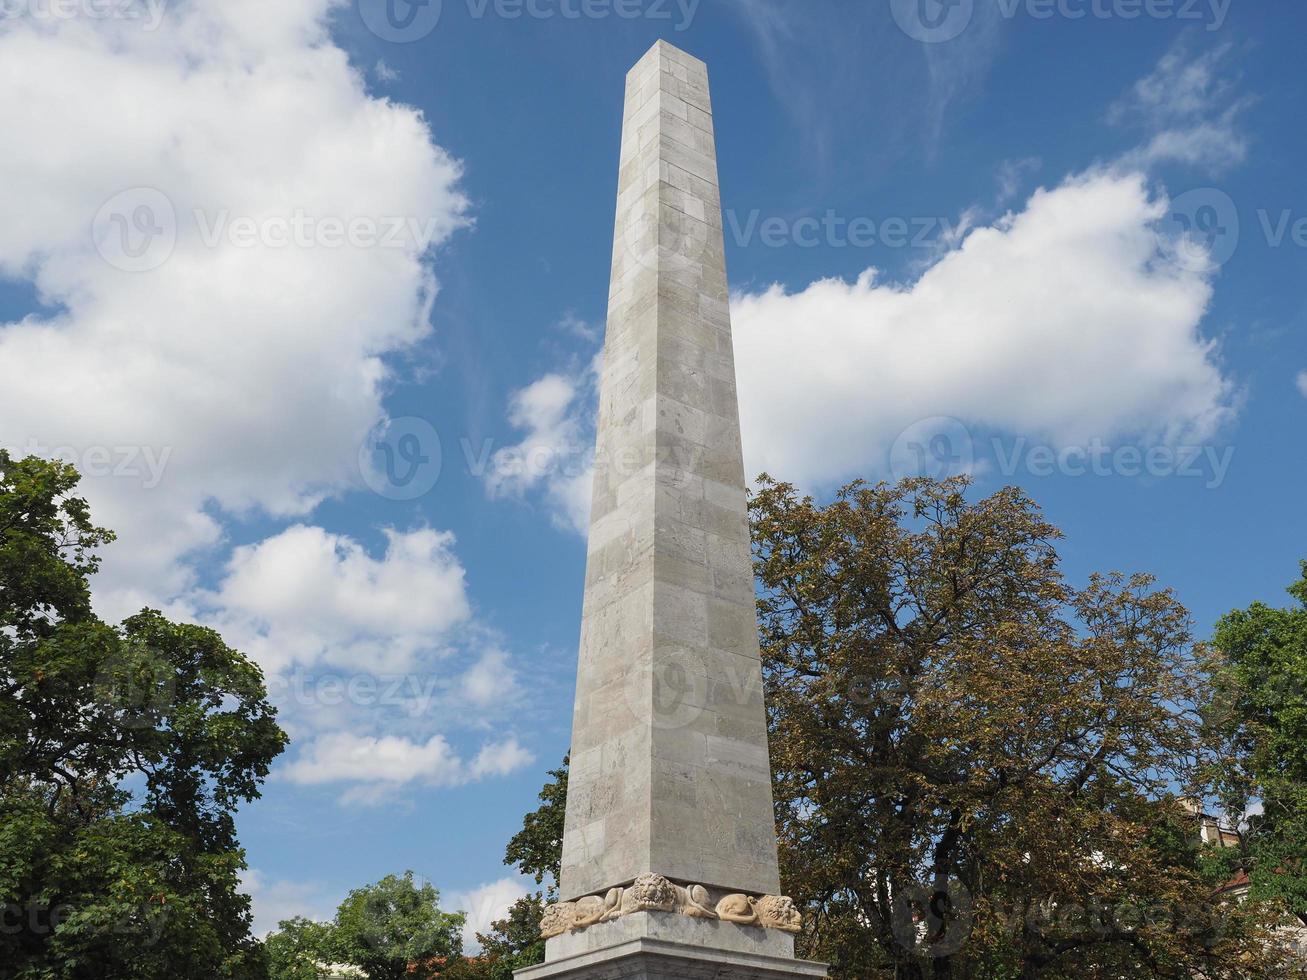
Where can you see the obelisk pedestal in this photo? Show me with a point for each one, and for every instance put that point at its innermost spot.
(669, 852)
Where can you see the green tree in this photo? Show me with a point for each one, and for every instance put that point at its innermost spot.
(536, 850)
(297, 948)
(974, 762)
(1263, 689)
(124, 753)
(393, 924)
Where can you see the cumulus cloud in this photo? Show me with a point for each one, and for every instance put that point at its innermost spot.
(377, 766)
(487, 904)
(556, 455)
(1068, 321)
(306, 596)
(1302, 383)
(200, 298)
(227, 278)
(500, 759)
(277, 899)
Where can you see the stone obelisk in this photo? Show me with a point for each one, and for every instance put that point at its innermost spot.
(669, 853)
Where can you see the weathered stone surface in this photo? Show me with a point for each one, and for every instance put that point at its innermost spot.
(669, 927)
(654, 959)
(655, 893)
(669, 756)
(670, 773)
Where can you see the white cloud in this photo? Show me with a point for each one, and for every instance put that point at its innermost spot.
(1066, 321)
(307, 596)
(1189, 106)
(380, 765)
(277, 899)
(1180, 87)
(489, 681)
(1012, 175)
(556, 455)
(240, 368)
(1302, 383)
(572, 324)
(485, 905)
(500, 759)
(342, 756)
(258, 367)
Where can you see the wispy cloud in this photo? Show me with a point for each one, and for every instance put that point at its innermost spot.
(1189, 107)
(556, 455)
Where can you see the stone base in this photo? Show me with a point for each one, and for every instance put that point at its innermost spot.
(652, 959)
(668, 927)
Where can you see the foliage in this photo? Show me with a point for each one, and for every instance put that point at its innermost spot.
(296, 949)
(386, 926)
(1263, 716)
(124, 753)
(391, 929)
(537, 849)
(974, 762)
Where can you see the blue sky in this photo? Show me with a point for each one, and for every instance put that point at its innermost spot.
(250, 250)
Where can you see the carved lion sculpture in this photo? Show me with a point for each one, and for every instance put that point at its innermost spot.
(695, 903)
(651, 893)
(779, 912)
(588, 911)
(741, 909)
(557, 919)
(613, 904)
